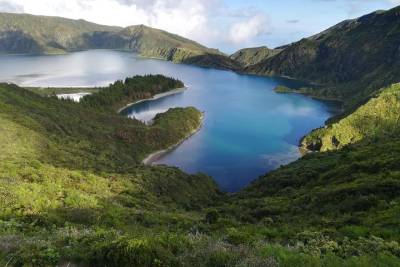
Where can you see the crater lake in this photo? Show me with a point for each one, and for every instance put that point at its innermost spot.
(248, 129)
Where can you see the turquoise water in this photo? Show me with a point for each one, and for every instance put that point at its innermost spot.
(248, 129)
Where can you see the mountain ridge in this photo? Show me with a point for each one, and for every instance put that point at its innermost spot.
(254, 55)
(31, 34)
(353, 59)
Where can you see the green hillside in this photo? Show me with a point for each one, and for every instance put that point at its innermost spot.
(380, 116)
(344, 202)
(73, 192)
(29, 34)
(150, 42)
(74, 129)
(353, 59)
(251, 56)
(23, 33)
(69, 173)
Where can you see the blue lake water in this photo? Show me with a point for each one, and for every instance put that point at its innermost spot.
(248, 129)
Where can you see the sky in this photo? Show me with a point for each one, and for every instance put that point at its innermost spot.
(225, 24)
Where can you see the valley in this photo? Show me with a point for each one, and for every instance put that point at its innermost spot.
(74, 190)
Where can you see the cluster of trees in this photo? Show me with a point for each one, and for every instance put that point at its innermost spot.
(121, 93)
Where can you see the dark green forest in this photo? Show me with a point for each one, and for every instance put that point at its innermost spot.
(121, 93)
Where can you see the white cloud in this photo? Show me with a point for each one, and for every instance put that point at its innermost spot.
(245, 31)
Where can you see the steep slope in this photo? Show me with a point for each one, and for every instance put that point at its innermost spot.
(380, 116)
(22, 33)
(353, 192)
(345, 199)
(71, 127)
(78, 170)
(251, 56)
(68, 198)
(150, 42)
(354, 58)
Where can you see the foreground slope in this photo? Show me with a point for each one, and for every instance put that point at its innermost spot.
(29, 34)
(23, 33)
(76, 172)
(352, 59)
(73, 192)
(349, 193)
(344, 202)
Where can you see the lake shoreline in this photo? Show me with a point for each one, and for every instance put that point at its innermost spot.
(155, 97)
(244, 115)
(150, 159)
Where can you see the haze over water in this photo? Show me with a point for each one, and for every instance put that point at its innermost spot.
(248, 129)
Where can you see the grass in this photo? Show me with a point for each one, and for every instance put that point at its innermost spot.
(378, 117)
(73, 191)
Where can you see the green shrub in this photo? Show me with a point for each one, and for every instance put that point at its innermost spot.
(212, 216)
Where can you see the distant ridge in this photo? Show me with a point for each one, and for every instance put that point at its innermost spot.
(353, 59)
(254, 55)
(30, 34)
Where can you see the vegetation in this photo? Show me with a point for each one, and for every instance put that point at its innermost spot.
(251, 56)
(352, 60)
(23, 33)
(70, 177)
(27, 34)
(150, 42)
(379, 117)
(73, 191)
(337, 208)
(121, 93)
(314, 92)
(348, 193)
(75, 130)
